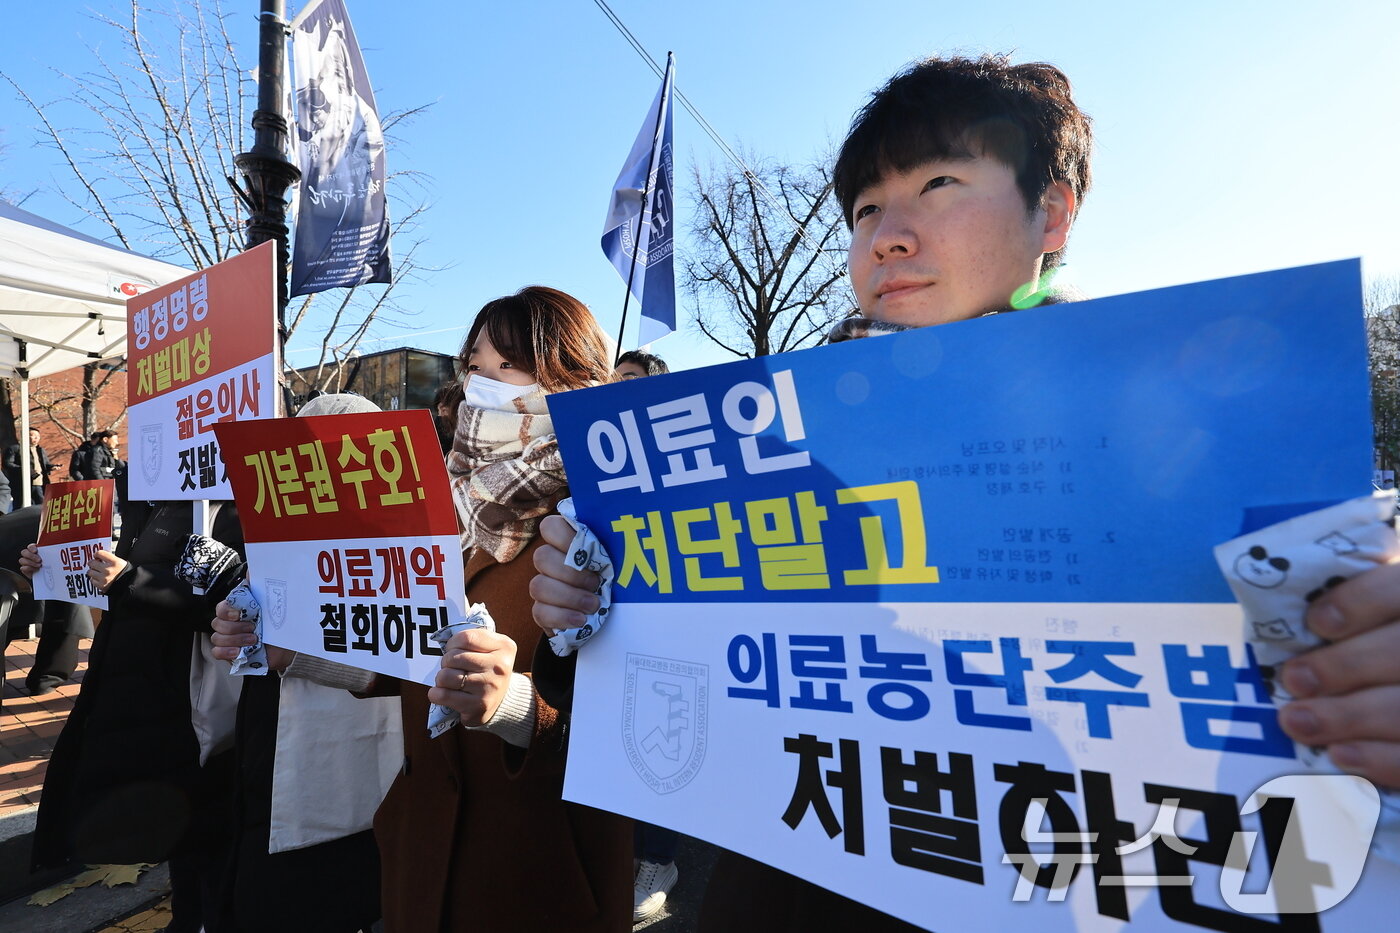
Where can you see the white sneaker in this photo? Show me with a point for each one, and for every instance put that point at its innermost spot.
(654, 882)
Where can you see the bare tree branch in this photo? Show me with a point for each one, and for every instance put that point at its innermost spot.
(767, 268)
(149, 137)
(1381, 302)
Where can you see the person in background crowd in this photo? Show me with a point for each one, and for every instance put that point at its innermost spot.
(7, 501)
(445, 405)
(634, 364)
(655, 845)
(474, 834)
(39, 469)
(77, 461)
(139, 774)
(17, 529)
(102, 455)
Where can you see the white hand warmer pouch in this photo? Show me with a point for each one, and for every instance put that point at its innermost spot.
(585, 553)
(442, 718)
(252, 659)
(1276, 572)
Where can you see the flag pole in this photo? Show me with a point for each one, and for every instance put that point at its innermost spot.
(646, 190)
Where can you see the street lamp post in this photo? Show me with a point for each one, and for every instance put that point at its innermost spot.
(266, 170)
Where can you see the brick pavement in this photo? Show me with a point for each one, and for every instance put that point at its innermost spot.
(147, 920)
(29, 726)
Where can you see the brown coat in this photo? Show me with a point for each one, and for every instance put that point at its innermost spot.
(474, 836)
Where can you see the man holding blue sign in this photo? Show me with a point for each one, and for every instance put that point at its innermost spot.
(961, 180)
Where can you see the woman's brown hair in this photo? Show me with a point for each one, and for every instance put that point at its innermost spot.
(547, 333)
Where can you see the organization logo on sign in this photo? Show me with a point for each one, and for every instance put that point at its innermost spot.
(277, 602)
(152, 443)
(664, 720)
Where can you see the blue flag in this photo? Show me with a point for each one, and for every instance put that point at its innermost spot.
(342, 227)
(641, 244)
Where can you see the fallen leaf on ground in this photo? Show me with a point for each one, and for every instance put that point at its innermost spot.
(94, 874)
(123, 874)
(47, 896)
(108, 875)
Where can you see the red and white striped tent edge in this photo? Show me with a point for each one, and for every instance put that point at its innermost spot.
(63, 301)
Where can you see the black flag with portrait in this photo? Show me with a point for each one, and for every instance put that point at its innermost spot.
(342, 224)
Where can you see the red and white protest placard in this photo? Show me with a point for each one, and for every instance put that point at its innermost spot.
(200, 351)
(351, 536)
(76, 523)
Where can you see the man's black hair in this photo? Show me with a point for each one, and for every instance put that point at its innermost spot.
(653, 364)
(1021, 115)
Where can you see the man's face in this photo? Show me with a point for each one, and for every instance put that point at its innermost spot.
(33, 437)
(949, 240)
(630, 371)
(111, 442)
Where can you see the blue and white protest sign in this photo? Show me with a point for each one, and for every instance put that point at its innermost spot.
(640, 243)
(933, 619)
(342, 221)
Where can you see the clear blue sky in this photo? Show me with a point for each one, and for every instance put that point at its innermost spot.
(1231, 137)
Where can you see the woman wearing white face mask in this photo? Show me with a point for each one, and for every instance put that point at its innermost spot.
(504, 461)
(474, 834)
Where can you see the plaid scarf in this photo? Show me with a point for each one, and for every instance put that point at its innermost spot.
(506, 473)
(858, 328)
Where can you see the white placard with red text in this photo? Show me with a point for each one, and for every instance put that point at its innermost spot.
(201, 351)
(351, 536)
(76, 523)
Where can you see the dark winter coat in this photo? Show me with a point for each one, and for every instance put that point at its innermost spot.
(124, 782)
(78, 462)
(474, 834)
(13, 471)
(100, 462)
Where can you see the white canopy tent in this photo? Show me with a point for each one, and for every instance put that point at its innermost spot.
(62, 302)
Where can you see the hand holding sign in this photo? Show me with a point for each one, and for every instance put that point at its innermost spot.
(30, 562)
(232, 632)
(1348, 691)
(475, 673)
(564, 597)
(104, 568)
